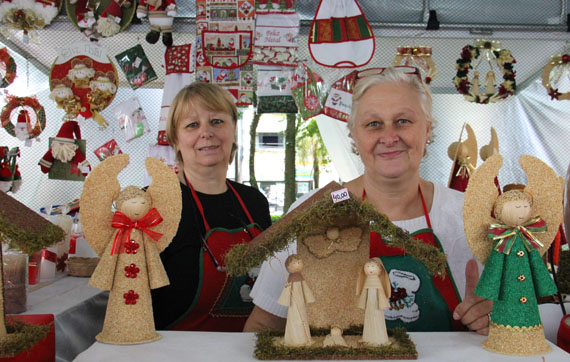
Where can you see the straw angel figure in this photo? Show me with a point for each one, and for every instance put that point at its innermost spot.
(295, 296)
(129, 242)
(510, 246)
(464, 157)
(374, 290)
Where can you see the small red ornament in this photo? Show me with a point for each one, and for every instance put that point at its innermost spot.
(131, 297)
(565, 58)
(131, 247)
(131, 271)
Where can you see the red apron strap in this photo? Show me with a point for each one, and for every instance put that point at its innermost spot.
(198, 203)
(426, 213)
(241, 202)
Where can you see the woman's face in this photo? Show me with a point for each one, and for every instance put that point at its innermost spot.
(205, 138)
(390, 130)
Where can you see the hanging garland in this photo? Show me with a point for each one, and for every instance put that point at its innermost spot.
(557, 63)
(420, 56)
(25, 104)
(7, 67)
(470, 89)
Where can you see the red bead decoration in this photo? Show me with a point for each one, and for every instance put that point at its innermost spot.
(131, 247)
(565, 58)
(131, 271)
(131, 297)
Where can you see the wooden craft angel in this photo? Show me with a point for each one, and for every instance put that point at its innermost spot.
(464, 157)
(295, 296)
(489, 150)
(129, 242)
(373, 290)
(511, 246)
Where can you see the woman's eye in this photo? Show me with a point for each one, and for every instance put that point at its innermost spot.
(373, 124)
(217, 121)
(403, 121)
(192, 125)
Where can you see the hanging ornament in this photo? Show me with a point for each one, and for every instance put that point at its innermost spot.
(103, 18)
(161, 14)
(7, 68)
(554, 73)
(496, 58)
(340, 36)
(419, 57)
(23, 117)
(83, 82)
(28, 16)
(10, 177)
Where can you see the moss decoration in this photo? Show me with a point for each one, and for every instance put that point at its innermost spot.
(403, 348)
(22, 228)
(319, 211)
(21, 337)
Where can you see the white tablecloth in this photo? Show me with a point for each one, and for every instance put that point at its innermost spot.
(238, 347)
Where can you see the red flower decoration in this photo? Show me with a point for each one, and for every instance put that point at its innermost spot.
(131, 297)
(131, 247)
(554, 93)
(131, 271)
(61, 263)
(565, 58)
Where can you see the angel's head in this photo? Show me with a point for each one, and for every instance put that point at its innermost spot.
(373, 267)
(133, 202)
(513, 207)
(294, 264)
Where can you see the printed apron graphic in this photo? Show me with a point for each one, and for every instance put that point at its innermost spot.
(403, 298)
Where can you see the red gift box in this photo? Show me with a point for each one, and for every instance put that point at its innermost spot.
(44, 350)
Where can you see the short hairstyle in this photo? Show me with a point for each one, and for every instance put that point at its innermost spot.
(210, 96)
(511, 195)
(128, 193)
(393, 75)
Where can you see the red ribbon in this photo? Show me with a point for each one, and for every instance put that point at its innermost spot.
(125, 225)
(49, 255)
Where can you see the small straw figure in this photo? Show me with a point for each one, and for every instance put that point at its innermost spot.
(374, 290)
(514, 274)
(129, 242)
(464, 157)
(334, 338)
(295, 296)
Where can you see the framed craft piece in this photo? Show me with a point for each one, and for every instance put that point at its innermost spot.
(103, 18)
(226, 50)
(28, 16)
(68, 171)
(136, 66)
(552, 75)
(83, 81)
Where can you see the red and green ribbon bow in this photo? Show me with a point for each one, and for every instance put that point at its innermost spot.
(505, 235)
(125, 225)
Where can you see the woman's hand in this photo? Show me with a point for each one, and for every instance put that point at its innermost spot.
(474, 310)
(260, 319)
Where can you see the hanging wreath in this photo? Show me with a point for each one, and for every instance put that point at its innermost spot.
(7, 68)
(558, 64)
(502, 58)
(420, 56)
(29, 114)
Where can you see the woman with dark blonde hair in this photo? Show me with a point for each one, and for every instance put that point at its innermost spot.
(216, 214)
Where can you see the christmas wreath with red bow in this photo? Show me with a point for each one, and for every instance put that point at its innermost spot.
(7, 67)
(556, 61)
(31, 114)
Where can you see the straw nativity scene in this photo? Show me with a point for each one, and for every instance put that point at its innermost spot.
(509, 233)
(129, 242)
(336, 294)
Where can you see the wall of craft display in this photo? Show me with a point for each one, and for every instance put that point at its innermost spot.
(107, 67)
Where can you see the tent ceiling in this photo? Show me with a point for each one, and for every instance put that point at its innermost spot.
(532, 34)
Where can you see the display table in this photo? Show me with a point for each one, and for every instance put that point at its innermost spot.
(78, 309)
(238, 347)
